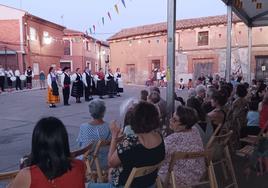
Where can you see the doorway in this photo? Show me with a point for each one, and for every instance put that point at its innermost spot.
(66, 64)
(155, 67)
(131, 73)
(262, 68)
(205, 67)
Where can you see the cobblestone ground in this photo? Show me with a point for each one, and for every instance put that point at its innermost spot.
(20, 111)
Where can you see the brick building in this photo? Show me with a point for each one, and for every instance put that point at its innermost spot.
(81, 50)
(27, 40)
(200, 48)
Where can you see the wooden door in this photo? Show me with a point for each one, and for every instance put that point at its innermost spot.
(131, 73)
(262, 68)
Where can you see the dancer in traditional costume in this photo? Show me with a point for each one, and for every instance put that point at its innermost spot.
(119, 82)
(2, 78)
(65, 83)
(52, 89)
(10, 79)
(29, 76)
(101, 90)
(88, 83)
(18, 81)
(110, 84)
(77, 89)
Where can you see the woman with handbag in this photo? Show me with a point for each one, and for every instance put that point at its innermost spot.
(52, 89)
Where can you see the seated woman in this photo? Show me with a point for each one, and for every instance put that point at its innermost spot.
(51, 163)
(185, 138)
(145, 148)
(203, 125)
(95, 130)
(218, 115)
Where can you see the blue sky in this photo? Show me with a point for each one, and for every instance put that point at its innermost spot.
(82, 14)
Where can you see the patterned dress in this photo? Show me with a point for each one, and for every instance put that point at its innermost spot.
(92, 134)
(133, 154)
(186, 171)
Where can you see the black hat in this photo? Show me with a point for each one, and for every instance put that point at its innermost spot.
(65, 68)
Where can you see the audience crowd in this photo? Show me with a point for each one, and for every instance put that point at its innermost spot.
(145, 136)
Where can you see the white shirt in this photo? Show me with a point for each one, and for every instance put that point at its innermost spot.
(49, 81)
(107, 75)
(9, 73)
(17, 73)
(158, 75)
(27, 74)
(62, 78)
(84, 78)
(2, 72)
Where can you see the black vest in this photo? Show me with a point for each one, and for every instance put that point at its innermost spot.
(67, 79)
(88, 79)
(29, 73)
(78, 77)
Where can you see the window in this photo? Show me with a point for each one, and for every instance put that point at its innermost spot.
(46, 38)
(67, 47)
(203, 38)
(87, 46)
(33, 35)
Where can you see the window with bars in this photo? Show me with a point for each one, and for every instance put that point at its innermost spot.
(203, 38)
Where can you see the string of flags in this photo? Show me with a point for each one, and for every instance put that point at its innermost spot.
(92, 29)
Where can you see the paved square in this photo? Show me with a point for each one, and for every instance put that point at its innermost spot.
(20, 111)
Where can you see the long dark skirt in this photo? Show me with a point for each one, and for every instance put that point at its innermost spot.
(111, 87)
(101, 90)
(28, 79)
(9, 82)
(77, 89)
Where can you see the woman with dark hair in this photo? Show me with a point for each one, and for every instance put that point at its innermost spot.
(218, 115)
(77, 89)
(144, 148)
(51, 163)
(52, 89)
(203, 125)
(186, 138)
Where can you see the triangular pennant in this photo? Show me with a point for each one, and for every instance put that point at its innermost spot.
(123, 2)
(102, 20)
(109, 15)
(94, 28)
(116, 8)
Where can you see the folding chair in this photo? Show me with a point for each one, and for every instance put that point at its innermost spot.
(95, 160)
(143, 171)
(8, 176)
(170, 178)
(86, 150)
(218, 145)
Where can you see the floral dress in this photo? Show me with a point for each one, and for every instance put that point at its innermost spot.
(133, 154)
(186, 171)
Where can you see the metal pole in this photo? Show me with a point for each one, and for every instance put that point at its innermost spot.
(249, 52)
(171, 19)
(229, 43)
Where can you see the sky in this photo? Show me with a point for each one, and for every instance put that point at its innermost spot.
(83, 14)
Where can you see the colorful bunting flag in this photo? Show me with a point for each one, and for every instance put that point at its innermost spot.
(116, 8)
(123, 2)
(102, 20)
(109, 15)
(94, 28)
